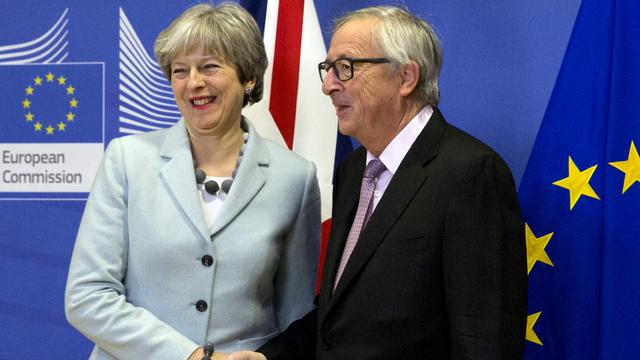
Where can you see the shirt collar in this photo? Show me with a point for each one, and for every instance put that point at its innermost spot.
(393, 154)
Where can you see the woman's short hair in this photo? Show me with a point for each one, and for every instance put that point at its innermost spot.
(226, 30)
(403, 37)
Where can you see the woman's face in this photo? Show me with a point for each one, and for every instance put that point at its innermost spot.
(208, 92)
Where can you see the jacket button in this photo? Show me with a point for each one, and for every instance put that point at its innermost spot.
(201, 306)
(326, 344)
(207, 260)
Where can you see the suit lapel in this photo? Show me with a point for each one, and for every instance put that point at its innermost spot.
(347, 196)
(406, 182)
(177, 175)
(248, 181)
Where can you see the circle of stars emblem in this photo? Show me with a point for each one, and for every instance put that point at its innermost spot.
(40, 123)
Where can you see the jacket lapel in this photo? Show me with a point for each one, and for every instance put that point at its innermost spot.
(346, 197)
(178, 176)
(248, 181)
(406, 182)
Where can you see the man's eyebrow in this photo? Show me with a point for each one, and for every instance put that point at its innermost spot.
(340, 56)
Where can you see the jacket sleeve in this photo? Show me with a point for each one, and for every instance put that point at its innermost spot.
(484, 261)
(297, 342)
(298, 271)
(95, 297)
(296, 276)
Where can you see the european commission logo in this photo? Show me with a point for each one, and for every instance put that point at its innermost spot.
(51, 117)
(51, 103)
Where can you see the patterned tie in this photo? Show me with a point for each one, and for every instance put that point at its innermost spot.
(365, 206)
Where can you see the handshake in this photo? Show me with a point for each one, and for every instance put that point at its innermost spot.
(241, 355)
(206, 353)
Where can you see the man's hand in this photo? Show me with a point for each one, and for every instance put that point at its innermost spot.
(246, 355)
(197, 355)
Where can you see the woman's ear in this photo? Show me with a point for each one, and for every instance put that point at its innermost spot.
(250, 84)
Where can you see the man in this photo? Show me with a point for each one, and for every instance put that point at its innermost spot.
(431, 264)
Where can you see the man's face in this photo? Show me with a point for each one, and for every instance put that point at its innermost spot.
(365, 104)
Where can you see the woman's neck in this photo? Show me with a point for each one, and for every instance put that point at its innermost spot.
(216, 155)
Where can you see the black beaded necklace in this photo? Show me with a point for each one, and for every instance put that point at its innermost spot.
(211, 186)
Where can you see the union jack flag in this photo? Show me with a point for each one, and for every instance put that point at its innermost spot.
(294, 111)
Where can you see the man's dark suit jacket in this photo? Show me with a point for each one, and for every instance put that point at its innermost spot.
(439, 272)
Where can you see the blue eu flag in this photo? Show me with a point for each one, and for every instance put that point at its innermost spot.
(580, 195)
(51, 103)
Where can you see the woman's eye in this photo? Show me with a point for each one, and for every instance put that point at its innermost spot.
(210, 66)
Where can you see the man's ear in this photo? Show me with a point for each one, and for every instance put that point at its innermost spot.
(410, 74)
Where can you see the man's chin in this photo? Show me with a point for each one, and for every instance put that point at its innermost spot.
(344, 127)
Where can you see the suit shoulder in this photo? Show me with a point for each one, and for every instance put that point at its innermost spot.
(358, 155)
(283, 156)
(291, 170)
(465, 157)
(137, 150)
(461, 146)
(140, 141)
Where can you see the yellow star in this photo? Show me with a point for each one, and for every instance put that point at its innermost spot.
(49, 130)
(73, 103)
(630, 168)
(70, 116)
(29, 116)
(61, 126)
(50, 77)
(29, 90)
(26, 103)
(37, 126)
(578, 183)
(530, 334)
(70, 90)
(62, 80)
(535, 248)
(37, 80)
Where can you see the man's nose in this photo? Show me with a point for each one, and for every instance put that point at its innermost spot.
(331, 82)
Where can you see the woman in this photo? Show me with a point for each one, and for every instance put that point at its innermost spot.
(204, 231)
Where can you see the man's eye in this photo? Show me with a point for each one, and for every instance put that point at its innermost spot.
(344, 66)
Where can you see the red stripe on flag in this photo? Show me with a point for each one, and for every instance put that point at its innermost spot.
(286, 64)
(326, 228)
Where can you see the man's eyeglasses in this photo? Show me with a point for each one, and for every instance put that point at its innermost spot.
(344, 67)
